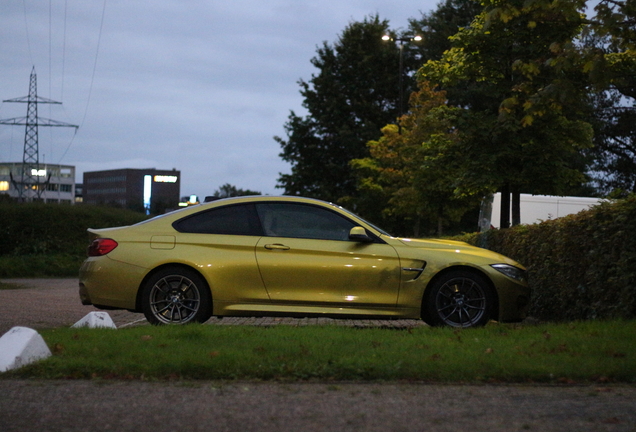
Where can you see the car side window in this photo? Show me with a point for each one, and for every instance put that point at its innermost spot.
(303, 221)
(238, 219)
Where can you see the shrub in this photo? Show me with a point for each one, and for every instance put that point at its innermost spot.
(580, 266)
(49, 239)
(30, 266)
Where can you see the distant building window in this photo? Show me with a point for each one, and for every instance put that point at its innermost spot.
(4, 185)
(66, 188)
(110, 179)
(108, 191)
(166, 179)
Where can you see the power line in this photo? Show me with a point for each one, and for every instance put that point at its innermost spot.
(29, 185)
(90, 89)
(26, 26)
(50, 66)
(99, 40)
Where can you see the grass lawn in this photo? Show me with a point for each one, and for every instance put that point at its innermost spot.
(580, 352)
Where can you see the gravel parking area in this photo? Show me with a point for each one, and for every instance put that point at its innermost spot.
(98, 405)
(78, 406)
(50, 303)
(47, 303)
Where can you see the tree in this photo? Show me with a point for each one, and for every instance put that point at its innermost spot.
(520, 91)
(354, 94)
(438, 26)
(348, 101)
(228, 190)
(610, 55)
(614, 151)
(404, 175)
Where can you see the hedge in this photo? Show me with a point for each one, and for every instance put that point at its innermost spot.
(38, 240)
(581, 266)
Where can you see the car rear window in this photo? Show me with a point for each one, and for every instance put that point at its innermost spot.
(240, 219)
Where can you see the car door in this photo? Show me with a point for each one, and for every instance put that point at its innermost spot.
(221, 242)
(306, 257)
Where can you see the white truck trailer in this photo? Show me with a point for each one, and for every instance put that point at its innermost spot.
(535, 208)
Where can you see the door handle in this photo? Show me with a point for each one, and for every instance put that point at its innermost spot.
(276, 246)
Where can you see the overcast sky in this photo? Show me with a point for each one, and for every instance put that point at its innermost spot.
(200, 86)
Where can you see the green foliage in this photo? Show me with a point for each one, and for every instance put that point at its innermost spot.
(404, 177)
(228, 190)
(50, 239)
(581, 352)
(520, 94)
(582, 266)
(437, 26)
(613, 64)
(41, 265)
(614, 152)
(353, 95)
(610, 60)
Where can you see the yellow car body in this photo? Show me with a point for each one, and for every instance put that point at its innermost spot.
(256, 256)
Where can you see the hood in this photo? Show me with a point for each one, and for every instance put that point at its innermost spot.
(436, 243)
(458, 247)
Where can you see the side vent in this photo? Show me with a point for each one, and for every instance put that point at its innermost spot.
(413, 271)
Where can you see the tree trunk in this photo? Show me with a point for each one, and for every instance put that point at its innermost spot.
(504, 221)
(516, 207)
(416, 227)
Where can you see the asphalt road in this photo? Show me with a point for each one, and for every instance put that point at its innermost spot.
(36, 405)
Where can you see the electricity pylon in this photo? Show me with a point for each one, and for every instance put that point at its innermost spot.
(28, 184)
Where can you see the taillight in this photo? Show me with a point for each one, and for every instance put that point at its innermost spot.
(101, 246)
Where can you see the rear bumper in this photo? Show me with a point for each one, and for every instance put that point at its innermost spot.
(104, 282)
(83, 294)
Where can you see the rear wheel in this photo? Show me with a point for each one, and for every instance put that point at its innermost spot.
(459, 299)
(176, 296)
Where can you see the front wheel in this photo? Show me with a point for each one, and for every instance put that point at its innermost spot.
(458, 299)
(176, 296)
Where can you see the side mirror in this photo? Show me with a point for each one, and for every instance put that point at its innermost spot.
(359, 234)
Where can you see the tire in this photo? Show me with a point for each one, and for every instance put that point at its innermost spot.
(176, 296)
(458, 299)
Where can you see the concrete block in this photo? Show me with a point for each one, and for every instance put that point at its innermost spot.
(21, 346)
(96, 320)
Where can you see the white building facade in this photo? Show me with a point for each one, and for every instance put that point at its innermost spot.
(56, 183)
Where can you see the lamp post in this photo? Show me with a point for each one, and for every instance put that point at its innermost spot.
(401, 41)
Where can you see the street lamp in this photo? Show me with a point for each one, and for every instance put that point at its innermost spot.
(401, 41)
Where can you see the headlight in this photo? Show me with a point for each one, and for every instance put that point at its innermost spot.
(511, 271)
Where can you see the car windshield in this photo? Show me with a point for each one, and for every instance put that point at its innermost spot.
(383, 232)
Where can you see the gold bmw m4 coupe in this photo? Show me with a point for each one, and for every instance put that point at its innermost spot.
(290, 256)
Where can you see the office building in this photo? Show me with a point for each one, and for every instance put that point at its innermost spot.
(149, 190)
